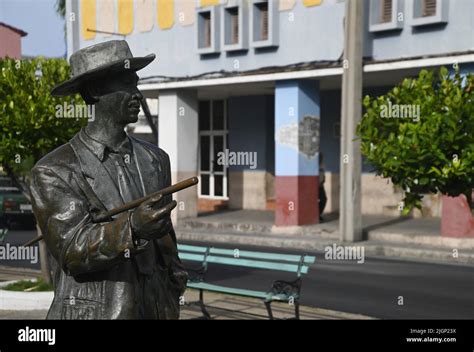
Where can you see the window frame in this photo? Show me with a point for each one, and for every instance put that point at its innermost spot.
(214, 30)
(440, 17)
(273, 24)
(242, 22)
(225, 169)
(375, 16)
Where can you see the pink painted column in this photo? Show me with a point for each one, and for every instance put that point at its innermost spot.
(456, 217)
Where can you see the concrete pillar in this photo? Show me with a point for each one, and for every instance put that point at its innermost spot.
(350, 219)
(178, 136)
(297, 117)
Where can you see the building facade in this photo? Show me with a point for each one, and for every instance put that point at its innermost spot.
(10, 41)
(249, 90)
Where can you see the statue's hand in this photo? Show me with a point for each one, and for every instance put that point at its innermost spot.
(149, 223)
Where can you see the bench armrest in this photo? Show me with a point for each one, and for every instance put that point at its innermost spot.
(288, 288)
(197, 274)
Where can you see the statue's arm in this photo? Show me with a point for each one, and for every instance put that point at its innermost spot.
(79, 245)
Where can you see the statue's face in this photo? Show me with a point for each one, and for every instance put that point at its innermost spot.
(119, 94)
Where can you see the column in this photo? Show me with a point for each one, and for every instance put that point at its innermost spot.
(297, 120)
(178, 136)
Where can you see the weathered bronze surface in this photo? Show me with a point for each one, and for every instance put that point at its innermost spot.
(126, 268)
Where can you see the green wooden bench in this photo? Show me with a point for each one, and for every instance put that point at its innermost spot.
(3, 235)
(281, 291)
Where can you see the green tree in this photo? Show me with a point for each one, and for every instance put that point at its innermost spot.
(429, 154)
(61, 8)
(29, 122)
(29, 117)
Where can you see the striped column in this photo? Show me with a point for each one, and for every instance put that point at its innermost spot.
(297, 116)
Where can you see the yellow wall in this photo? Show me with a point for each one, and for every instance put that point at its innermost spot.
(209, 3)
(88, 18)
(125, 15)
(165, 10)
(309, 3)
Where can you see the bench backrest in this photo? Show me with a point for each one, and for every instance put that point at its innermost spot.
(298, 264)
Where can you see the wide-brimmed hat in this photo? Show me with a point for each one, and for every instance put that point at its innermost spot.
(100, 60)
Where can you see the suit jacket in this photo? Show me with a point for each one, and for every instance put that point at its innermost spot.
(99, 270)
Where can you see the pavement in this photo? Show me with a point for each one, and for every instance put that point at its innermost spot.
(34, 305)
(384, 236)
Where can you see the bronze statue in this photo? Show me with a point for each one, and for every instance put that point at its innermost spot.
(125, 266)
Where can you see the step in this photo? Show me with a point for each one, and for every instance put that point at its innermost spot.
(421, 239)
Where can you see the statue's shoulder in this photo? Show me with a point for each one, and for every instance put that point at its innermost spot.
(59, 160)
(152, 148)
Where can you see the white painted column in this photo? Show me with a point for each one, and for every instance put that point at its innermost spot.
(178, 136)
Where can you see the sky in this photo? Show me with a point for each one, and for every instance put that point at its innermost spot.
(39, 19)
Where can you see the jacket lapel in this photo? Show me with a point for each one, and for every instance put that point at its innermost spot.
(149, 167)
(103, 185)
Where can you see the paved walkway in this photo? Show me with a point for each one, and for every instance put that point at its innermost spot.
(221, 307)
(225, 307)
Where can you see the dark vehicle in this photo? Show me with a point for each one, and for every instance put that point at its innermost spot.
(14, 207)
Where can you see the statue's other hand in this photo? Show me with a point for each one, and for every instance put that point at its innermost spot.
(149, 223)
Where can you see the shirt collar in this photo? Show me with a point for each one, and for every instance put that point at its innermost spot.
(99, 148)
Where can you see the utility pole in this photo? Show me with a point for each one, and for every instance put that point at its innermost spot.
(350, 218)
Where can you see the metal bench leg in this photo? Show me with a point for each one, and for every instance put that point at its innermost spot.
(268, 305)
(297, 310)
(202, 305)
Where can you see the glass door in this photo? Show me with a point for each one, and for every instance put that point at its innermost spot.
(213, 135)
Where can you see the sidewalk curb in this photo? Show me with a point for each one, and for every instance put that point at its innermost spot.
(21, 301)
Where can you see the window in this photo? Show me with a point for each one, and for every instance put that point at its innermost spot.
(429, 12)
(386, 11)
(207, 31)
(264, 23)
(213, 140)
(234, 25)
(429, 8)
(383, 15)
(206, 18)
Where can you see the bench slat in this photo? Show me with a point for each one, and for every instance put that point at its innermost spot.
(293, 268)
(263, 255)
(191, 257)
(230, 290)
(268, 296)
(248, 254)
(188, 248)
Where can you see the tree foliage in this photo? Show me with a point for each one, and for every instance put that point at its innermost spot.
(28, 113)
(431, 154)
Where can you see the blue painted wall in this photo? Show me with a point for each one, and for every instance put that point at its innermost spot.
(251, 130)
(454, 36)
(294, 100)
(305, 34)
(177, 54)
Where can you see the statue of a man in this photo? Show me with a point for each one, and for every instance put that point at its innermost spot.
(128, 267)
